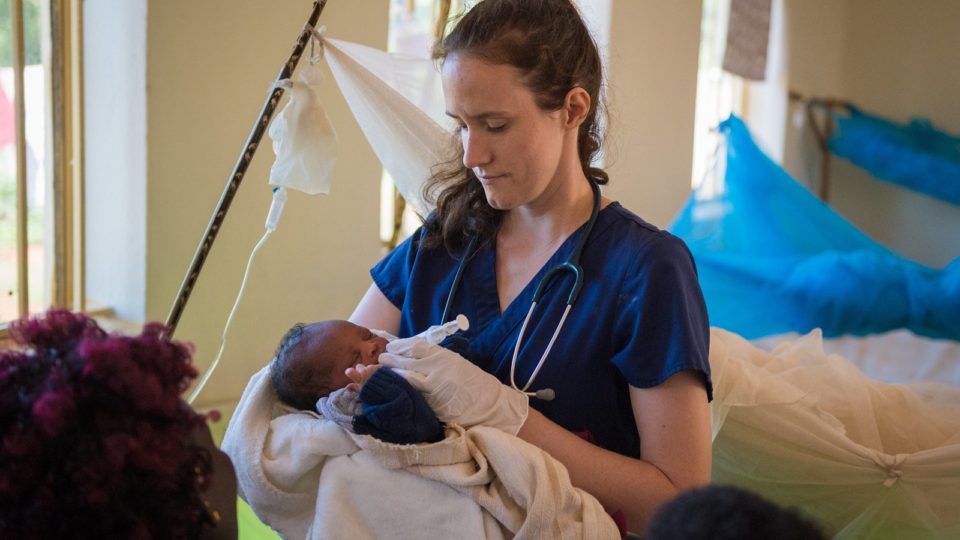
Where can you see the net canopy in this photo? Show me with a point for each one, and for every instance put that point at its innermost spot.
(914, 155)
(809, 430)
(772, 258)
(398, 102)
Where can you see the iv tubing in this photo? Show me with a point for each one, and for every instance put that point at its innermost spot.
(240, 169)
(223, 339)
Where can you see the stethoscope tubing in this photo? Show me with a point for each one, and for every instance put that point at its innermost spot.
(471, 245)
(572, 265)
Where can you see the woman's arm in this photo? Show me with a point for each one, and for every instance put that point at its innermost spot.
(377, 312)
(673, 420)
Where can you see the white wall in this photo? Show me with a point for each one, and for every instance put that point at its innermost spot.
(209, 67)
(896, 59)
(115, 154)
(766, 100)
(814, 40)
(654, 47)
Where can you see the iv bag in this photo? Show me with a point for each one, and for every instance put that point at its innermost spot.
(303, 138)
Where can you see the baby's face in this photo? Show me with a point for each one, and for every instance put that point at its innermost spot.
(346, 345)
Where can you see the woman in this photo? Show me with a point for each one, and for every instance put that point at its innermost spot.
(95, 441)
(522, 80)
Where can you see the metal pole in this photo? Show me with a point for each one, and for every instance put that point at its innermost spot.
(233, 184)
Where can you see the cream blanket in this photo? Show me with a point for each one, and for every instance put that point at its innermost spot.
(308, 478)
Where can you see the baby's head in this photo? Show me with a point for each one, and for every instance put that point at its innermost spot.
(311, 360)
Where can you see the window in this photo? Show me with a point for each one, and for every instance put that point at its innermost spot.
(718, 94)
(761, 103)
(411, 34)
(40, 181)
(413, 27)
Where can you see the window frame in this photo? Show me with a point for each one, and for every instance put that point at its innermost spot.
(65, 105)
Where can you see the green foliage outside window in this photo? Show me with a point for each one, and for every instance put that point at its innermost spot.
(31, 33)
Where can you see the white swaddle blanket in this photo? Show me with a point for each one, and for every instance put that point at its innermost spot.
(308, 478)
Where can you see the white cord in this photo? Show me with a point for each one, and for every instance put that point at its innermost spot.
(223, 338)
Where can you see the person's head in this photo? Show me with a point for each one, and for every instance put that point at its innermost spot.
(523, 80)
(96, 442)
(311, 360)
(728, 513)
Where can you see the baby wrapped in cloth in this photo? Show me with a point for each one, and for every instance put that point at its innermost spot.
(308, 476)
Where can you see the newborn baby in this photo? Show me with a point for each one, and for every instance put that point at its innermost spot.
(315, 359)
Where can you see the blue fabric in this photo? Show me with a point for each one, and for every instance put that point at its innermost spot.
(640, 318)
(914, 155)
(772, 258)
(393, 411)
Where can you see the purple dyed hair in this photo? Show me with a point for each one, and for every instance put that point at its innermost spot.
(95, 441)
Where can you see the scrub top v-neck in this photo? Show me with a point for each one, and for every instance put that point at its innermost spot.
(640, 318)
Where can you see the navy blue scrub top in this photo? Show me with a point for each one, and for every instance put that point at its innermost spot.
(639, 319)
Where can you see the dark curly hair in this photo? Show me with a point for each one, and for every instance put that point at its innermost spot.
(719, 512)
(548, 42)
(95, 441)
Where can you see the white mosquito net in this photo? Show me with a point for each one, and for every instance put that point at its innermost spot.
(398, 103)
(808, 429)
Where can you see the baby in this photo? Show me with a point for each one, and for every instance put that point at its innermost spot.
(315, 359)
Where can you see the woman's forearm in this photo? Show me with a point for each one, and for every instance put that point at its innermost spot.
(375, 311)
(620, 483)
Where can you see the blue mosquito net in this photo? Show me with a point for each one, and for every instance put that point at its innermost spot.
(914, 155)
(772, 258)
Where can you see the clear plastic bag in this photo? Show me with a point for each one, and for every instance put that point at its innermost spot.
(303, 138)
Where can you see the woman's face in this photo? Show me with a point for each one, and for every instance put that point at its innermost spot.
(513, 146)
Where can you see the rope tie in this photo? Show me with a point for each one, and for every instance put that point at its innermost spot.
(316, 54)
(891, 466)
(316, 42)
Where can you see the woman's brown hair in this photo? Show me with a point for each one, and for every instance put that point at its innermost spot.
(548, 42)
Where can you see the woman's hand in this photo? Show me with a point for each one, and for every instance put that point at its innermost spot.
(457, 390)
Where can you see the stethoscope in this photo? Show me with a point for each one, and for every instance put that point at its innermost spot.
(572, 264)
